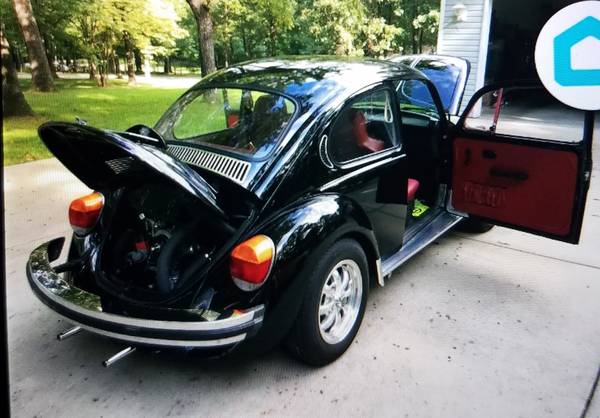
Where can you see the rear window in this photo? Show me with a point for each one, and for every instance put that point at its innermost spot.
(444, 77)
(248, 122)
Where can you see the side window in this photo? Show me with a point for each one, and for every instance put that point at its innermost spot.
(414, 97)
(526, 112)
(363, 127)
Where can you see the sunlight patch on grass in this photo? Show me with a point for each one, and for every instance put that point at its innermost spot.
(118, 106)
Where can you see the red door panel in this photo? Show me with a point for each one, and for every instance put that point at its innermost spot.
(521, 185)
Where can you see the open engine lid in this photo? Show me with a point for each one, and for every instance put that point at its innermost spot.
(104, 160)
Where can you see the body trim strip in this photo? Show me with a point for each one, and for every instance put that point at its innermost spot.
(438, 227)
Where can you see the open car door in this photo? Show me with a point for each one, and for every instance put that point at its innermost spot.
(522, 160)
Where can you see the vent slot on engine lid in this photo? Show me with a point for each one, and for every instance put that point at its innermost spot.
(232, 168)
(121, 165)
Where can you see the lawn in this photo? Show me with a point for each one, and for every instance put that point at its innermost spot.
(117, 106)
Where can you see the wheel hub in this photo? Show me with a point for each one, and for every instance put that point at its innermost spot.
(340, 301)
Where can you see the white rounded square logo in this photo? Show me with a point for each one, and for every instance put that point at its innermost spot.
(567, 55)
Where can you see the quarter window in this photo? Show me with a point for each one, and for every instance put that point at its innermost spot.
(364, 127)
(415, 97)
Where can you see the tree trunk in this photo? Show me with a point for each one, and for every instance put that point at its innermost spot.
(272, 37)
(48, 47)
(93, 70)
(245, 43)
(167, 68)
(40, 69)
(130, 67)
(17, 59)
(117, 66)
(201, 11)
(137, 56)
(13, 101)
(413, 30)
(129, 59)
(112, 68)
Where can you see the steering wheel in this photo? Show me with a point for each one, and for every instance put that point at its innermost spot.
(147, 131)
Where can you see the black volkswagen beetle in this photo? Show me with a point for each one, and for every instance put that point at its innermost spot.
(271, 196)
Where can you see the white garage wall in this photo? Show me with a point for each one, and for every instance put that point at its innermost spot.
(467, 39)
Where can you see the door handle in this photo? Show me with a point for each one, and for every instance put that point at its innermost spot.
(489, 154)
(512, 175)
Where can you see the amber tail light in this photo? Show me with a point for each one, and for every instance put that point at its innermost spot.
(85, 211)
(251, 262)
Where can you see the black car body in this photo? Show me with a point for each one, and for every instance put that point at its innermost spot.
(155, 265)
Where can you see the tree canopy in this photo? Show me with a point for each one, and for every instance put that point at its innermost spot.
(104, 31)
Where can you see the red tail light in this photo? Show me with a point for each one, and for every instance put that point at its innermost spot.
(251, 262)
(85, 211)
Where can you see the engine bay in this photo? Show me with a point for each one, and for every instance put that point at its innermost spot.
(159, 238)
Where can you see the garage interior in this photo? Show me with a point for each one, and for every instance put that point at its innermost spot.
(515, 26)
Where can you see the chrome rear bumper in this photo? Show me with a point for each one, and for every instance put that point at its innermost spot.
(85, 309)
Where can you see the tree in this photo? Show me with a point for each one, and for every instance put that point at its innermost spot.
(279, 16)
(104, 27)
(202, 13)
(418, 19)
(52, 16)
(333, 25)
(13, 100)
(40, 69)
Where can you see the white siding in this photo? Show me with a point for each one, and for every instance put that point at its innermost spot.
(467, 39)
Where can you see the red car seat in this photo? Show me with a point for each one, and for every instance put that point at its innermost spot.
(363, 140)
(413, 186)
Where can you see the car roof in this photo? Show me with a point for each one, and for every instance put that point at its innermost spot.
(310, 80)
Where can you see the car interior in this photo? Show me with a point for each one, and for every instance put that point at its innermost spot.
(250, 127)
(421, 136)
(367, 126)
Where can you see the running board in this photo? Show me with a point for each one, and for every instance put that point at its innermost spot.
(434, 229)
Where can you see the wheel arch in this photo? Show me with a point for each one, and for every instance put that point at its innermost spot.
(299, 233)
(373, 259)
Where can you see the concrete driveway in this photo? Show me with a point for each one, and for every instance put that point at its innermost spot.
(497, 325)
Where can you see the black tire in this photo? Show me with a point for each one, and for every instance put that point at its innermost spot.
(474, 226)
(305, 340)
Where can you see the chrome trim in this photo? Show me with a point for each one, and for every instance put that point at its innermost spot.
(232, 168)
(437, 227)
(53, 290)
(380, 278)
(166, 343)
(323, 152)
(355, 173)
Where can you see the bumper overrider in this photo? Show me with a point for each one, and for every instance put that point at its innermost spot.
(85, 309)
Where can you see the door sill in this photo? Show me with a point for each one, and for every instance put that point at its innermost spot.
(430, 232)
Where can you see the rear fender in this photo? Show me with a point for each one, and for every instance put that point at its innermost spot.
(300, 234)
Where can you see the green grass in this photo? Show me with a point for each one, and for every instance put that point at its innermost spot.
(117, 106)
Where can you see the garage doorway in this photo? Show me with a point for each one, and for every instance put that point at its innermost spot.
(515, 26)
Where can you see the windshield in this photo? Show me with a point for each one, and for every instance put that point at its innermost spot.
(248, 122)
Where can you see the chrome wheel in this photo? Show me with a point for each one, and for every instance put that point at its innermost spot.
(340, 301)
